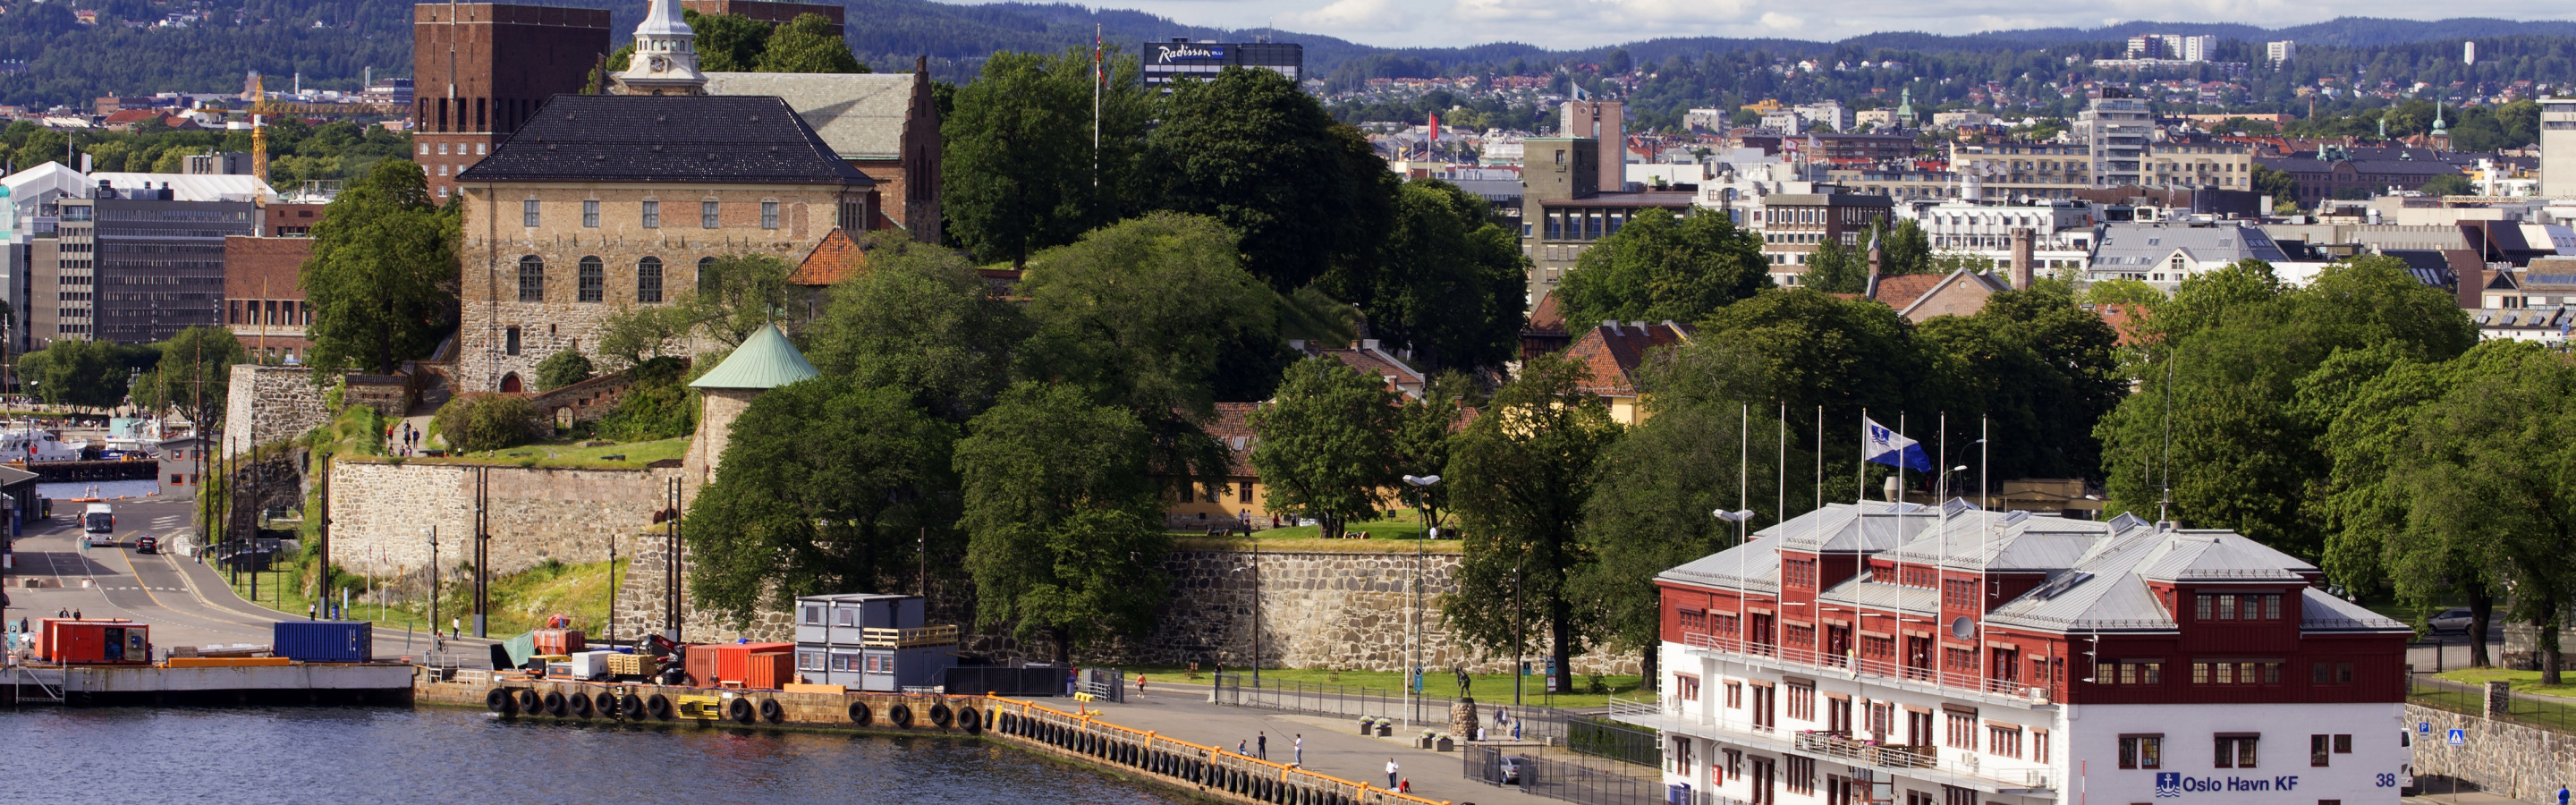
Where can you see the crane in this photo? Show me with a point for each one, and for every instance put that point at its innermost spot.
(262, 106)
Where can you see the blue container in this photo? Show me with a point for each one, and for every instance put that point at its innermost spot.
(325, 641)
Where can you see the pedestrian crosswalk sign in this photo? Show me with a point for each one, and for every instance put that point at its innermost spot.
(2457, 737)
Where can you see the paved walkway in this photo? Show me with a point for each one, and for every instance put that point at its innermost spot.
(1333, 744)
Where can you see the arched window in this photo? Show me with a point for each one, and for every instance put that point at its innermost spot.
(707, 275)
(648, 280)
(532, 279)
(594, 280)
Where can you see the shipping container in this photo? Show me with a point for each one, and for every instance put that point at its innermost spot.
(558, 641)
(771, 671)
(733, 660)
(701, 665)
(325, 641)
(45, 632)
(77, 643)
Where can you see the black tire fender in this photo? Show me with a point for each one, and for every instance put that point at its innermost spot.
(860, 714)
(632, 706)
(900, 714)
(969, 720)
(499, 700)
(939, 714)
(528, 701)
(771, 711)
(555, 705)
(578, 705)
(740, 710)
(659, 706)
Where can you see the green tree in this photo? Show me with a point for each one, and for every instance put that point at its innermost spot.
(919, 319)
(1324, 443)
(632, 335)
(826, 485)
(563, 368)
(1906, 249)
(1015, 180)
(382, 277)
(2448, 184)
(1836, 268)
(2372, 397)
(740, 293)
(726, 43)
(1449, 284)
(2230, 348)
(1251, 150)
(481, 421)
(1156, 317)
(2134, 294)
(1064, 529)
(2034, 366)
(86, 373)
(1661, 268)
(1847, 356)
(2280, 185)
(2491, 466)
(1520, 477)
(811, 43)
(198, 360)
(1655, 488)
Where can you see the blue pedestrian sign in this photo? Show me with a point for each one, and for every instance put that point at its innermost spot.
(2423, 728)
(2456, 737)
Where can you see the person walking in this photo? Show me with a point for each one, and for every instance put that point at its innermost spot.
(1140, 685)
(1300, 748)
(1261, 745)
(1391, 769)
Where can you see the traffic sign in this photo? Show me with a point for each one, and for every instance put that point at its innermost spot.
(2457, 737)
(2423, 728)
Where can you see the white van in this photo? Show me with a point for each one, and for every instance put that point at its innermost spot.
(98, 524)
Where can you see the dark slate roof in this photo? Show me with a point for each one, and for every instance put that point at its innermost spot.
(665, 139)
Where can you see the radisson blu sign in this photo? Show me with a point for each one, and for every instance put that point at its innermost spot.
(1167, 54)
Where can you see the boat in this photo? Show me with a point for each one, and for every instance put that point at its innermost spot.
(33, 444)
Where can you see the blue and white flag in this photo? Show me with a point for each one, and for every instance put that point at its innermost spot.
(1882, 446)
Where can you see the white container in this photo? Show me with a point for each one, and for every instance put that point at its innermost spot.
(590, 665)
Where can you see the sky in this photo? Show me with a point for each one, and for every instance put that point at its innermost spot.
(1569, 24)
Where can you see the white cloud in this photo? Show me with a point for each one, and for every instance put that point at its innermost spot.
(1782, 22)
(1347, 15)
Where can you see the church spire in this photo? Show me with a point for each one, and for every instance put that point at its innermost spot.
(666, 55)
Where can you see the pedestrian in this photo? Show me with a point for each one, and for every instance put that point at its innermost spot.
(76, 614)
(1390, 772)
(1261, 745)
(1140, 685)
(1405, 787)
(308, 612)
(63, 614)
(1301, 749)
(1238, 749)
(455, 629)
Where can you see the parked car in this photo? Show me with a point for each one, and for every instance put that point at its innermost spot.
(1513, 769)
(147, 545)
(2455, 619)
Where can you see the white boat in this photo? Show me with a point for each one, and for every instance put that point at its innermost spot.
(31, 444)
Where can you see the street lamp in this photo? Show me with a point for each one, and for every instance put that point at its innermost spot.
(432, 531)
(1431, 523)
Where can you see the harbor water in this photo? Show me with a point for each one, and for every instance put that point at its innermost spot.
(110, 490)
(436, 755)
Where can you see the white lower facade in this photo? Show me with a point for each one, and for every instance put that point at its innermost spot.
(1954, 747)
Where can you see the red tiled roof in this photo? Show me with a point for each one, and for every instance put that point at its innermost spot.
(1547, 319)
(131, 116)
(834, 259)
(1613, 352)
(2123, 320)
(1899, 291)
(1232, 427)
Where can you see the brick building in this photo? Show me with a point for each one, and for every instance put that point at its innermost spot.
(263, 305)
(763, 10)
(607, 201)
(481, 70)
(885, 124)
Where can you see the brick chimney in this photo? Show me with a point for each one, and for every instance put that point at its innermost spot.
(2022, 264)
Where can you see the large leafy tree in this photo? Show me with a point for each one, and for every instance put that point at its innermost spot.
(2040, 370)
(382, 277)
(1835, 268)
(2372, 398)
(1715, 441)
(2219, 379)
(1449, 284)
(1018, 171)
(196, 366)
(827, 485)
(1659, 268)
(1155, 316)
(811, 43)
(1064, 529)
(1520, 477)
(1817, 350)
(739, 294)
(90, 373)
(2491, 468)
(1250, 149)
(1324, 448)
(919, 319)
(726, 43)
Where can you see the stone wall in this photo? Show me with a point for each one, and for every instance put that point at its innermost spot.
(381, 509)
(2500, 757)
(1346, 611)
(642, 607)
(270, 403)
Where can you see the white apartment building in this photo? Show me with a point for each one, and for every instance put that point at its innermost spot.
(1952, 656)
(2117, 131)
(2558, 147)
(2275, 53)
(2062, 232)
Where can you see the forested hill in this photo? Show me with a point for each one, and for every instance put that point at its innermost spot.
(47, 56)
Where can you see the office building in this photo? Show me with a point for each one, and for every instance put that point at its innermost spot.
(1606, 124)
(1796, 225)
(139, 261)
(480, 71)
(1564, 211)
(2173, 47)
(2558, 147)
(2116, 128)
(1903, 653)
(1166, 62)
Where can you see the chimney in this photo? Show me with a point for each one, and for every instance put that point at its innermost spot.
(2021, 258)
(1871, 290)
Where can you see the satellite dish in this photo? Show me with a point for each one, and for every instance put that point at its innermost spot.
(1963, 628)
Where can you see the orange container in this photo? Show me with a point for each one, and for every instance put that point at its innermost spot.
(771, 671)
(559, 641)
(48, 628)
(701, 665)
(93, 642)
(733, 660)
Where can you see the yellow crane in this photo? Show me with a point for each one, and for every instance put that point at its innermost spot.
(262, 106)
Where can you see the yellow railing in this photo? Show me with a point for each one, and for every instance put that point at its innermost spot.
(878, 637)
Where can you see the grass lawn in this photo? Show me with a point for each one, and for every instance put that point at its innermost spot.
(627, 455)
(1487, 689)
(519, 601)
(2523, 681)
(1399, 528)
(1199, 542)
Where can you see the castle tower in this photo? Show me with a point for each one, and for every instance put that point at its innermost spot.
(666, 56)
(764, 361)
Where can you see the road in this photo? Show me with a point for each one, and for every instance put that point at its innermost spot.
(185, 603)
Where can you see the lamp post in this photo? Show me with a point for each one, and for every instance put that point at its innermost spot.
(432, 531)
(1413, 643)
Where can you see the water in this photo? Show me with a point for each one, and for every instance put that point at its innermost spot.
(439, 755)
(110, 490)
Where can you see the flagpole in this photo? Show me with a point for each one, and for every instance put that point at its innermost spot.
(1985, 492)
(1941, 531)
(1860, 479)
(1743, 622)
